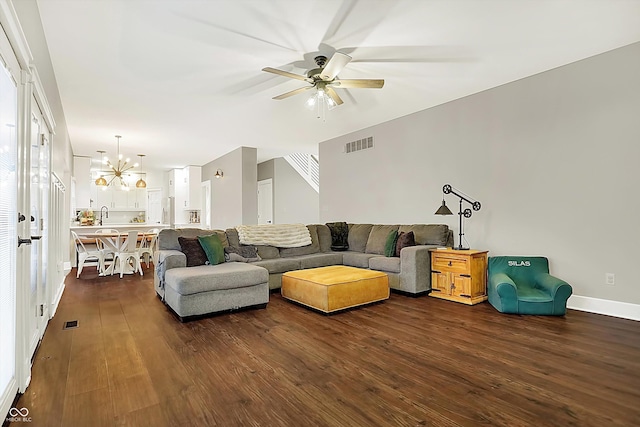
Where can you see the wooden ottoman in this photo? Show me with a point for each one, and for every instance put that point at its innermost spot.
(334, 288)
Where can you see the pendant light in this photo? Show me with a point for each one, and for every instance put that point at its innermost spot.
(101, 182)
(141, 182)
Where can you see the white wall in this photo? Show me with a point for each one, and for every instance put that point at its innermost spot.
(553, 158)
(234, 199)
(294, 200)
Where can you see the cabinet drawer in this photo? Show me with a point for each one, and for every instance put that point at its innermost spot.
(451, 263)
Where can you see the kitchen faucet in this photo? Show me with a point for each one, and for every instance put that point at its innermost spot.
(106, 211)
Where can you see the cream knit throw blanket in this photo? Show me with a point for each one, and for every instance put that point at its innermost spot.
(278, 235)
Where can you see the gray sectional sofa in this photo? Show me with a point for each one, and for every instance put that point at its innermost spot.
(196, 291)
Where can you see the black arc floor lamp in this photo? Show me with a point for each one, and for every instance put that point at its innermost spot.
(444, 210)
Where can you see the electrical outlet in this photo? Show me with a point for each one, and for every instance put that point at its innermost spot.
(610, 279)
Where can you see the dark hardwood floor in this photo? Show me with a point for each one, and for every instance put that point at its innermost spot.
(404, 362)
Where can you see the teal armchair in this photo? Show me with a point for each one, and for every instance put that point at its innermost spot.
(523, 285)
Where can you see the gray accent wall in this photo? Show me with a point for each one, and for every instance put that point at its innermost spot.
(553, 158)
(294, 200)
(234, 199)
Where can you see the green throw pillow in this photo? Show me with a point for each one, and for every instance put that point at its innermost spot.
(390, 245)
(213, 248)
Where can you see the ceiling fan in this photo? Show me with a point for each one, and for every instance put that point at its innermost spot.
(324, 78)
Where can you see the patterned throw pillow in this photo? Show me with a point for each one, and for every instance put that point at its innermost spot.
(405, 240)
(191, 247)
(241, 254)
(339, 236)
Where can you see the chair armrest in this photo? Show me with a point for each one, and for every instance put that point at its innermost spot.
(503, 293)
(559, 290)
(549, 283)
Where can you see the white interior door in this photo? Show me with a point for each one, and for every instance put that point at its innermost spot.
(265, 201)
(154, 207)
(205, 218)
(39, 192)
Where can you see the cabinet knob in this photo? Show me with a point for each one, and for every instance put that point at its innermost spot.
(449, 263)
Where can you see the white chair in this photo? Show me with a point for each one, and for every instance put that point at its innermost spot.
(84, 254)
(108, 246)
(148, 245)
(129, 251)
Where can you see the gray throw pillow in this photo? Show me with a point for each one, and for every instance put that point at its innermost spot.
(249, 252)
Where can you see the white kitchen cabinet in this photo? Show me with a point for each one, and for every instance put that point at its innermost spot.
(119, 198)
(82, 174)
(137, 198)
(192, 181)
(116, 198)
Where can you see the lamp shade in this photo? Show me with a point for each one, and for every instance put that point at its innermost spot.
(444, 210)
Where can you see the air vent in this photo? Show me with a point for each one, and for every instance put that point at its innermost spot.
(359, 144)
(70, 324)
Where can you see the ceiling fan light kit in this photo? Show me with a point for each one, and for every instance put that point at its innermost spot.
(324, 80)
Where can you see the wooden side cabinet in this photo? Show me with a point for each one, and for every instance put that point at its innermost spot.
(459, 276)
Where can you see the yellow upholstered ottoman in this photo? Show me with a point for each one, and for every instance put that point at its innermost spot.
(333, 288)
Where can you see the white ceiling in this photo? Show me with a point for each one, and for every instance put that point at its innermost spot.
(181, 80)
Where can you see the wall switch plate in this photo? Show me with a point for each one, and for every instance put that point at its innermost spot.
(610, 279)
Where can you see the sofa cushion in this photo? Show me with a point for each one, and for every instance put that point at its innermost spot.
(232, 237)
(404, 240)
(168, 237)
(358, 236)
(212, 248)
(319, 260)
(267, 252)
(357, 259)
(324, 237)
(339, 235)
(192, 249)
(388, 264)
(378, 238)
(203, 278)
(279, 265)
(313, 248)
(428, 234)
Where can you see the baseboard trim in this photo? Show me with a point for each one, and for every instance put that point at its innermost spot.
(624, 310)
(67, 267)
(56, 300)
(8, 399)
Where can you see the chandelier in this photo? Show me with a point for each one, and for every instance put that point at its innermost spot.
(116, 171)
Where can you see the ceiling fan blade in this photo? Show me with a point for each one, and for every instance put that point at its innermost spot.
(333, 95)
(358, 83)
(335, 65)
(293, 92)
(285, 74)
